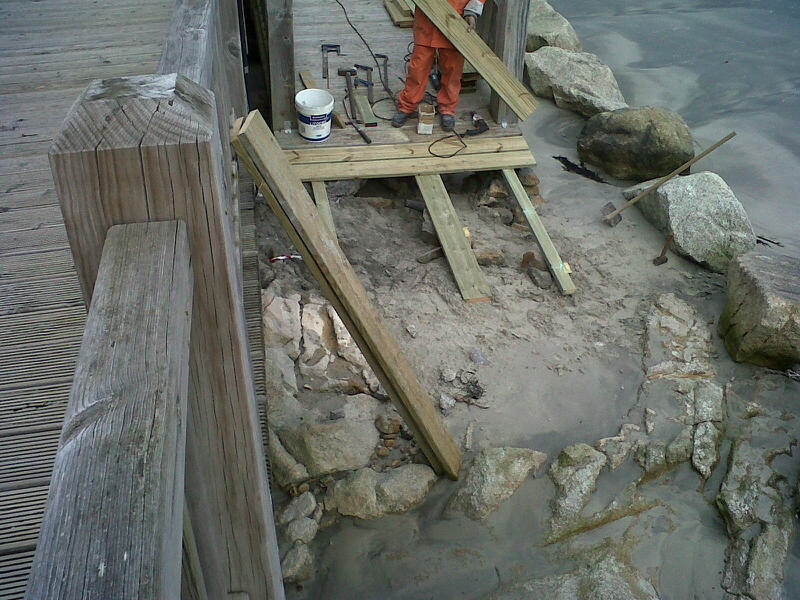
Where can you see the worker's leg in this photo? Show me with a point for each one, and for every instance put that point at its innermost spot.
(451, 64)
(419, 68)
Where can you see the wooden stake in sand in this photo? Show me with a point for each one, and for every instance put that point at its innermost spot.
(286, 196)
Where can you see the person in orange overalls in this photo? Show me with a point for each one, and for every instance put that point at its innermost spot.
(427, 40)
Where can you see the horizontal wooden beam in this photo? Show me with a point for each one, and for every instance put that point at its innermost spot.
(114, 518)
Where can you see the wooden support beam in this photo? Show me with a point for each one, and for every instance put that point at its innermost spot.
(281, 61)
(299, 217)
(114, 518)
(323, 205)
(398, 13)
(469, 43)
(557, 266)
(310, 83)
(193, 585)
(469, 277)
(148, 148)
(509, 45)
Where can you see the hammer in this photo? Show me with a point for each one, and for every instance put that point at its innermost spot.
(326, 49)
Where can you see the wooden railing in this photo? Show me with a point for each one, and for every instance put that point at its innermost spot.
(155, 148)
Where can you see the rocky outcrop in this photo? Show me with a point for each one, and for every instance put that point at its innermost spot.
(636, 143)
(761, 321)
(298, 563)
(574, 473)
(546, 27)
(285, 469)
(577, 81)
(494, 476)
(281, 322)
(705, 452)
(367, 494)
(710, 225)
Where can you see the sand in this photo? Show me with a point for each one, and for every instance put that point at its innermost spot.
(565, 370)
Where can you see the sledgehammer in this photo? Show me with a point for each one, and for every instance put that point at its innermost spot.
(611, 215)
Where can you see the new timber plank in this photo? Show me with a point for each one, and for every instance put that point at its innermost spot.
(323, 205)
(557, 266)
(287, 197)
(399, 14)
(408, 167)
(469, 277)
(475, 50)
(365, 111)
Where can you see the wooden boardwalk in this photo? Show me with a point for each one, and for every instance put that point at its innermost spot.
(49, 52)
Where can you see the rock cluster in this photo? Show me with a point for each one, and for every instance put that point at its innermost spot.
(761, 321)
(574, 474)
(546, 27)
(709, 224)
(636, 143)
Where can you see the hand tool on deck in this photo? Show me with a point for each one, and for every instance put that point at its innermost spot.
(611, 215)
(327, 49)
(385, 69)
(662, 258)
(368, 83)
(348, 74)
(364, 103)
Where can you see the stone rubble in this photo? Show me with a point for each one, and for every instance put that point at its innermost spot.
(574, 474)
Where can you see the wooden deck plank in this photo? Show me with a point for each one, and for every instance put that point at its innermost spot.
(468, 275)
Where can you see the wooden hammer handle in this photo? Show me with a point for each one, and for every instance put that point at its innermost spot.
(666, 178)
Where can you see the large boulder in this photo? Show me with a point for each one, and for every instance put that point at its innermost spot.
(546, 27)
(636, 143)
(495, 475)
(709, 223)
(761, 322)
(577, 81)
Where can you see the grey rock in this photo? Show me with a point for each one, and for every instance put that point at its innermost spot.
(576, 81)
(494, 476)
(528, 178)
(343, 187)
(388, 424)
(427, 230)
(652, 457)
(618, 447)
(319, 339)
(709, 224)
(446, 402)
(332, 446)
(636, 143)
(765, 569)
(299, 507)
(285, 469)
(542, 278)
(761, 321)
(575, 474)
(708, 402)
(680, 448)
(367, 494)
(546, 27)
(285, 365)
(303, 529)
(705, 452)
(298, 564)
(281, 322)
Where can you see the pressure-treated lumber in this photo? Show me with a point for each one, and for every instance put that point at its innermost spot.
(511, 24)
(323, 204)
(399, 13)
(114, 518)
(310, 83)
(409, 167)
(470, 44)
(365, 110)
(469, 277)
(146, 149)
(558, 268)
(261, 154)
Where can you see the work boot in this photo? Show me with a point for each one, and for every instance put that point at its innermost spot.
(448, 122)
(399, 119)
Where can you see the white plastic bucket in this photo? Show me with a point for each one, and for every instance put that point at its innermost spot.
(314, 112)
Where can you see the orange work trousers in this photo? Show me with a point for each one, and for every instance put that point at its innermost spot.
(451, 64)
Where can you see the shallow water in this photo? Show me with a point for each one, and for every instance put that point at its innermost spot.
(724, 65)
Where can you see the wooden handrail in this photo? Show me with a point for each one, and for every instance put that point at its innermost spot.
(114, 518)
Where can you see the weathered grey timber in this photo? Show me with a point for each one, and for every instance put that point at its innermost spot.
(149, 148)
(114, 519)
(281, 61)
(511, 22)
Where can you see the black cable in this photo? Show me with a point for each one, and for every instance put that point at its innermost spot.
(455, 134)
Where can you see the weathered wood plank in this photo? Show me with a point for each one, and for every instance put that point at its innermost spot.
(509, 45)
(557, 267)
(469, 43)
(468, 275)
(280, 23)
(163, 155)
(113, 522)
(261, 154)
(323, 205)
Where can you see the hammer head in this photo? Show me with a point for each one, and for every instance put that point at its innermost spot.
(659, 260)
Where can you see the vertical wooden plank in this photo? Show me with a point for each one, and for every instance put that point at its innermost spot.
(557, 266)
(323, 205)
(113, 522)
(468, 275)
(172, 123)
(281, 61)
(193, 585)
(509, 45)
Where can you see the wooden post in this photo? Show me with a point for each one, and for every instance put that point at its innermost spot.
(281, 61)
(511, 24)
(156, 138)
(113, 523)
